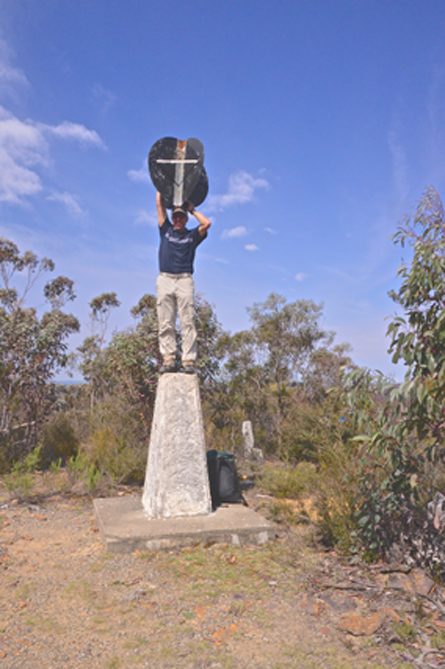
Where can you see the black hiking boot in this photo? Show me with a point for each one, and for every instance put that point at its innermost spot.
(168, 369)
(189, 369)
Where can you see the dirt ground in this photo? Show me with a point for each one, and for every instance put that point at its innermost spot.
(65, 602)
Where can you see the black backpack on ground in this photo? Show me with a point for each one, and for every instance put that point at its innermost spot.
(224, 482)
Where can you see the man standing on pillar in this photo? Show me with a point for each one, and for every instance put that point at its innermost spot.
(175, 286)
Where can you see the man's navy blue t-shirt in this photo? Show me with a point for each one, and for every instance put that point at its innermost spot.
(177, 249)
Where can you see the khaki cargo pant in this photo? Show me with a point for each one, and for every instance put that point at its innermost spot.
(176, 295)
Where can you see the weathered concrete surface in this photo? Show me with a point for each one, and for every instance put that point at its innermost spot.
(124, 527)
(176, 480)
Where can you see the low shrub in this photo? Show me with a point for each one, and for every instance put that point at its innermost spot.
(112, 455)
(290, 482)
(20, 481)
(59, 441)
(337, 494)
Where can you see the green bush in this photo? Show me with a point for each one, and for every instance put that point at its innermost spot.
(20, 481)
(405, 442)
(80, 469)
(112, 455)
(58, 441)
(290, 482)
(337, 494)
(117, 439)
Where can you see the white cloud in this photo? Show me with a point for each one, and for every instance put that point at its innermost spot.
(9, 76)
(300, 276)
(75, 131)
(144, 217)
(270, 231)
(140, 176)
(69, 201)
(242, 187)
(240, 231)
(24, 147)
(251, 247)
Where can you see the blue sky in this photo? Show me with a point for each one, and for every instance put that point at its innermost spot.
(323, 123)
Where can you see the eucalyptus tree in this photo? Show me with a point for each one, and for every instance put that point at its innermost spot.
(91, 352)
(32, 347)
(418, 337)
(284, 356)
(403, 454)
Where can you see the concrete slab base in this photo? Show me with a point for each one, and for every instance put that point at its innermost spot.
(124, 527)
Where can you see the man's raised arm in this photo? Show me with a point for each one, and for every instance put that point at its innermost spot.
(162, 214)
(204, 223)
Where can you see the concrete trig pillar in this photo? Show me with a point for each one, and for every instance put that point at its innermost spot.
(248, 437)
(250, 450)
(176, 480)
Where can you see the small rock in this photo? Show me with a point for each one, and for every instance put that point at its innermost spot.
(338, 602)
(393, 615)
(359, 625)
(398, 580)
(423, 584)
